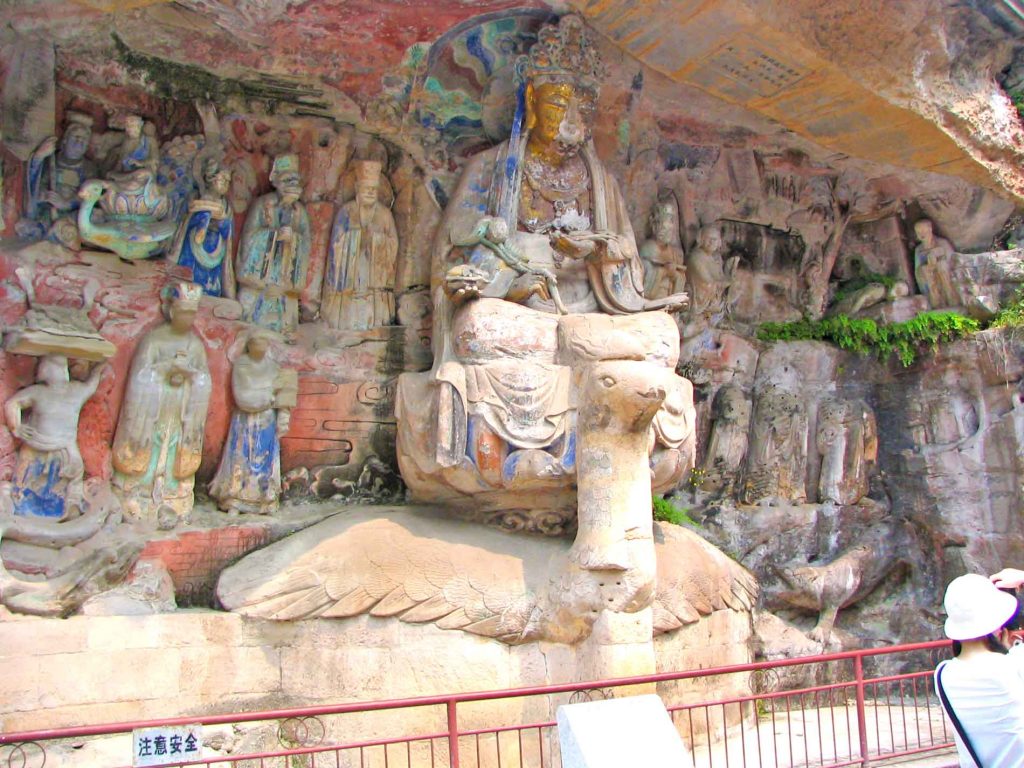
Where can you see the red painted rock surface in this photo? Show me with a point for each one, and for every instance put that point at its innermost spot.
(194, 559)
(345, 409)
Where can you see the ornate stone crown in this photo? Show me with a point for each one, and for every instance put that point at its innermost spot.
(564, 53)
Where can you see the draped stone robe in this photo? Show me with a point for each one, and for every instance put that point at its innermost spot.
(159, 441)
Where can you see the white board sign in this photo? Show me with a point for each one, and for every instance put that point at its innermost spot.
(167, 746)
(636, 730)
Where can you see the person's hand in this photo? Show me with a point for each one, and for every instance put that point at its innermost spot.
(464, 282)
(526, 285)
(56, 199)
(180, 370)
(25, 432)
(572, 247)
(285, 234)
(1008, 578)
(47, 148)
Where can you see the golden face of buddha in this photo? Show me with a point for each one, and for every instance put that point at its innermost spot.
(559, 117)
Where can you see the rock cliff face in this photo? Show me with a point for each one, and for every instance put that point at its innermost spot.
(797, 147)
(944, 495)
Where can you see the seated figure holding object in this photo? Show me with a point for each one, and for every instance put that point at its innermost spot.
(536, 275)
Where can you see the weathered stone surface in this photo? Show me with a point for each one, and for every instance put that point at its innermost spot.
(888, 119)
(419, 566)
(206, 662)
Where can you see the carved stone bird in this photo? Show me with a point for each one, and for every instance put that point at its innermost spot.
(418, 566)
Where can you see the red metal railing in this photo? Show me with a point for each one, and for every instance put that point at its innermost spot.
(844, 718)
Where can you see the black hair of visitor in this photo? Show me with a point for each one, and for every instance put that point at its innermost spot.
(991, 643)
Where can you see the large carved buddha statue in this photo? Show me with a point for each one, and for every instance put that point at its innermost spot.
(536, 278)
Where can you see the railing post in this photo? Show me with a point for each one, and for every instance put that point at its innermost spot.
(862, 726)
(453, 734)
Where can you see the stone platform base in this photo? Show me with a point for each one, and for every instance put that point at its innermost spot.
(100, 669)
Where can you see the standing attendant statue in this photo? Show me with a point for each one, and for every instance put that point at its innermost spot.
(709, 278)
(934, 267)
(662, 255)
(249, 476)
(49, 473)
(159, 441)
(203, 241)
(359, 285)
(273, 257)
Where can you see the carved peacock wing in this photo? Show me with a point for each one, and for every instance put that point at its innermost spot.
(391, 562)
(696, 579)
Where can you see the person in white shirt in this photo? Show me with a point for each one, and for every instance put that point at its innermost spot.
(984, 686)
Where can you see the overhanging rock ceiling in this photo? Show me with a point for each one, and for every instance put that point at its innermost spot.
(909, 86)
(729, 50)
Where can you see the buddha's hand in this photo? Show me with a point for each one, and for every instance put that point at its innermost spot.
(464, 282)
(611, 247)
(180, 370)
(573, 245)
(602, 247)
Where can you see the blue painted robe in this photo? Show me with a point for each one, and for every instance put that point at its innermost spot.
(248, 478)
(40, 487)
(41, 176)
(48, 477)
(264, 262)
(203, 244)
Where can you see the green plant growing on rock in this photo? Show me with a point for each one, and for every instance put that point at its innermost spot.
(864, 336)
(1017, 98)
(1012, 315)
(667, 512)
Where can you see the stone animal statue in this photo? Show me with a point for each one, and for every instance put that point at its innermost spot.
(848, 578)
(137, 235)
(415, 565)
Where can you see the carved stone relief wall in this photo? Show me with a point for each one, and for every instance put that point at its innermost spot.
(386, 283)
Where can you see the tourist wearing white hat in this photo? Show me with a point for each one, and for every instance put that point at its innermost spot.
(983, 687)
